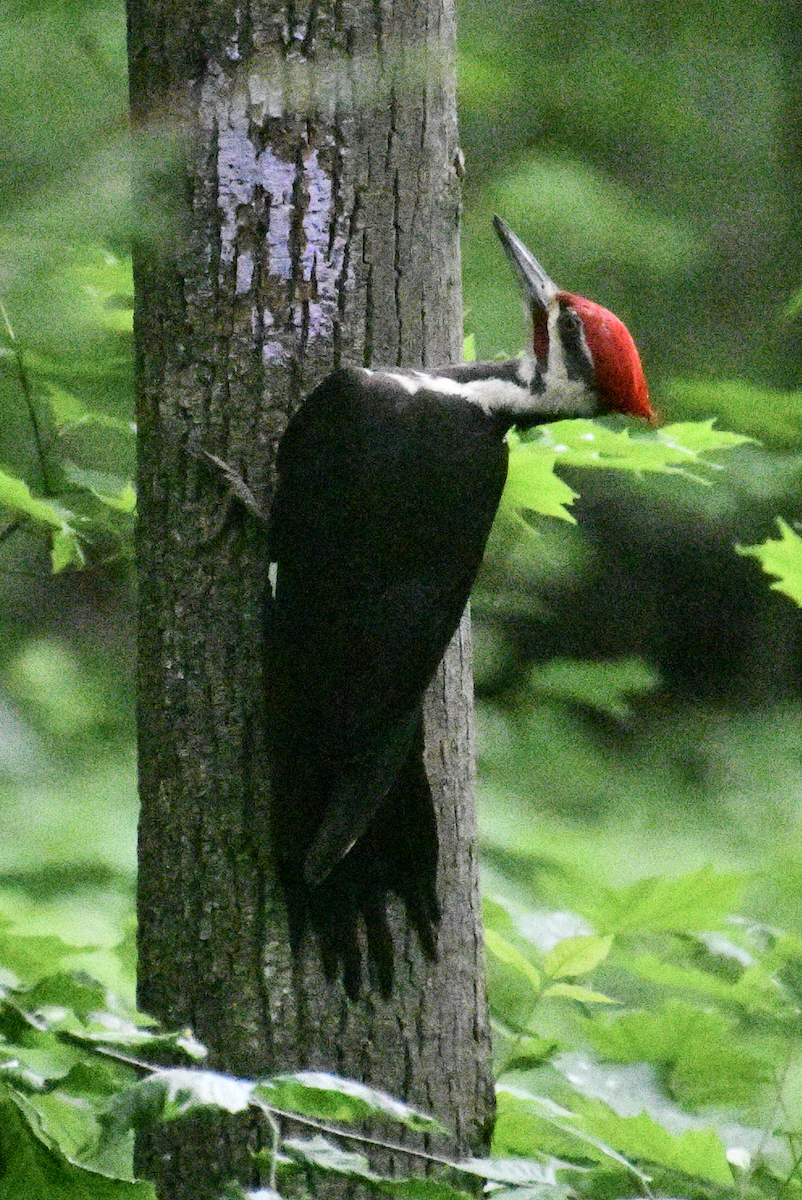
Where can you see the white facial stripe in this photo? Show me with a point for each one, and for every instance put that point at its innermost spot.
(555, 368)
(272, 577)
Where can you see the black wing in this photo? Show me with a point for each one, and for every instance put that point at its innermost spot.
(384, 503)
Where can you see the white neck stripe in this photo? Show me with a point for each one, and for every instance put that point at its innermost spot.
(497, 396)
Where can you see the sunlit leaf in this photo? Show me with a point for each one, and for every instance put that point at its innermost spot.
(671, 449)
(698, 1153)
(326, 1156)
(767, 413)
(573, 991)
(523, 1123)
(576, 956)
(756, 991)
(319, 1152)
(330, 1098)
(528, 1052)
(703, 1060)
(700, 900)
(675, 449)
(105, 287)
(505, 952)
(496, 916)
(70, 412)
(532, 484)
(512, 1170)
(66, 551)
(17, 496)
(781, 557)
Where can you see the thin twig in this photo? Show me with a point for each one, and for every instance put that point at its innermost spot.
(359, 1137)
(27, 391)
(275, 1128)
(115, 1054)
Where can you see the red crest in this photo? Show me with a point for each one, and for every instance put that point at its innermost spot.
(619, 374)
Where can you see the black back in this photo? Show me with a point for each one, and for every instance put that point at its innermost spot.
(384, 504)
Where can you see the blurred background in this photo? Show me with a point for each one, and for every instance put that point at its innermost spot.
(638, 682)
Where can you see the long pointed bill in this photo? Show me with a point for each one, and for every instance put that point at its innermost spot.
(536, 283)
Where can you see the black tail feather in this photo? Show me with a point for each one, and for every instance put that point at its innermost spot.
(397, 855)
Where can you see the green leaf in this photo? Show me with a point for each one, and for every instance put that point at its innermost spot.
(535, 1191)
(330, 1098)
(421, 1188)
(573, 956)
(69, 990)
(505, 952)
(700, 900)
(105, 288)
(526, 1125)
(32, 956)
(570, 991)
(698, 1153)
(528, 1052)
(326, 1156)
(768, 414)
(111, 490)
(496, 916)
(532, 484)
(66, 551)
(756, 991)
(703, 1059)
(17, 496)
(469, 348)
(70, 412)
(781, 557)
(672, 449)
(34, 1168)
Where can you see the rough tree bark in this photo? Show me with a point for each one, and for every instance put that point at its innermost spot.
(313, 222)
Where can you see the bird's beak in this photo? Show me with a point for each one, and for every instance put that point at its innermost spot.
(539, 289)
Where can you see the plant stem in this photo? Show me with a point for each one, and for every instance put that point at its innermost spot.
(27, 391)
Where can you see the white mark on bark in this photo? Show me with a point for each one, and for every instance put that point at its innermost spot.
(236, 168)
(277, 179)
(315, 261)
(232, 49)
(244, 272)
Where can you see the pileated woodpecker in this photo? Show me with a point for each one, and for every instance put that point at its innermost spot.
(388, 483)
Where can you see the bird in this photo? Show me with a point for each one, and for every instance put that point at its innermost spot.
(388, 482)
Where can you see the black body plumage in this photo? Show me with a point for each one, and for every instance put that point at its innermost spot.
(386, 495)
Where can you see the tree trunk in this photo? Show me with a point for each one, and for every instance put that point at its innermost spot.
(310, 222)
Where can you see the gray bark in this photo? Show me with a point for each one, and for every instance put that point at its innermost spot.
(310, 220)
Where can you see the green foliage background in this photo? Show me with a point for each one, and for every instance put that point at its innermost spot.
(638, 678)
